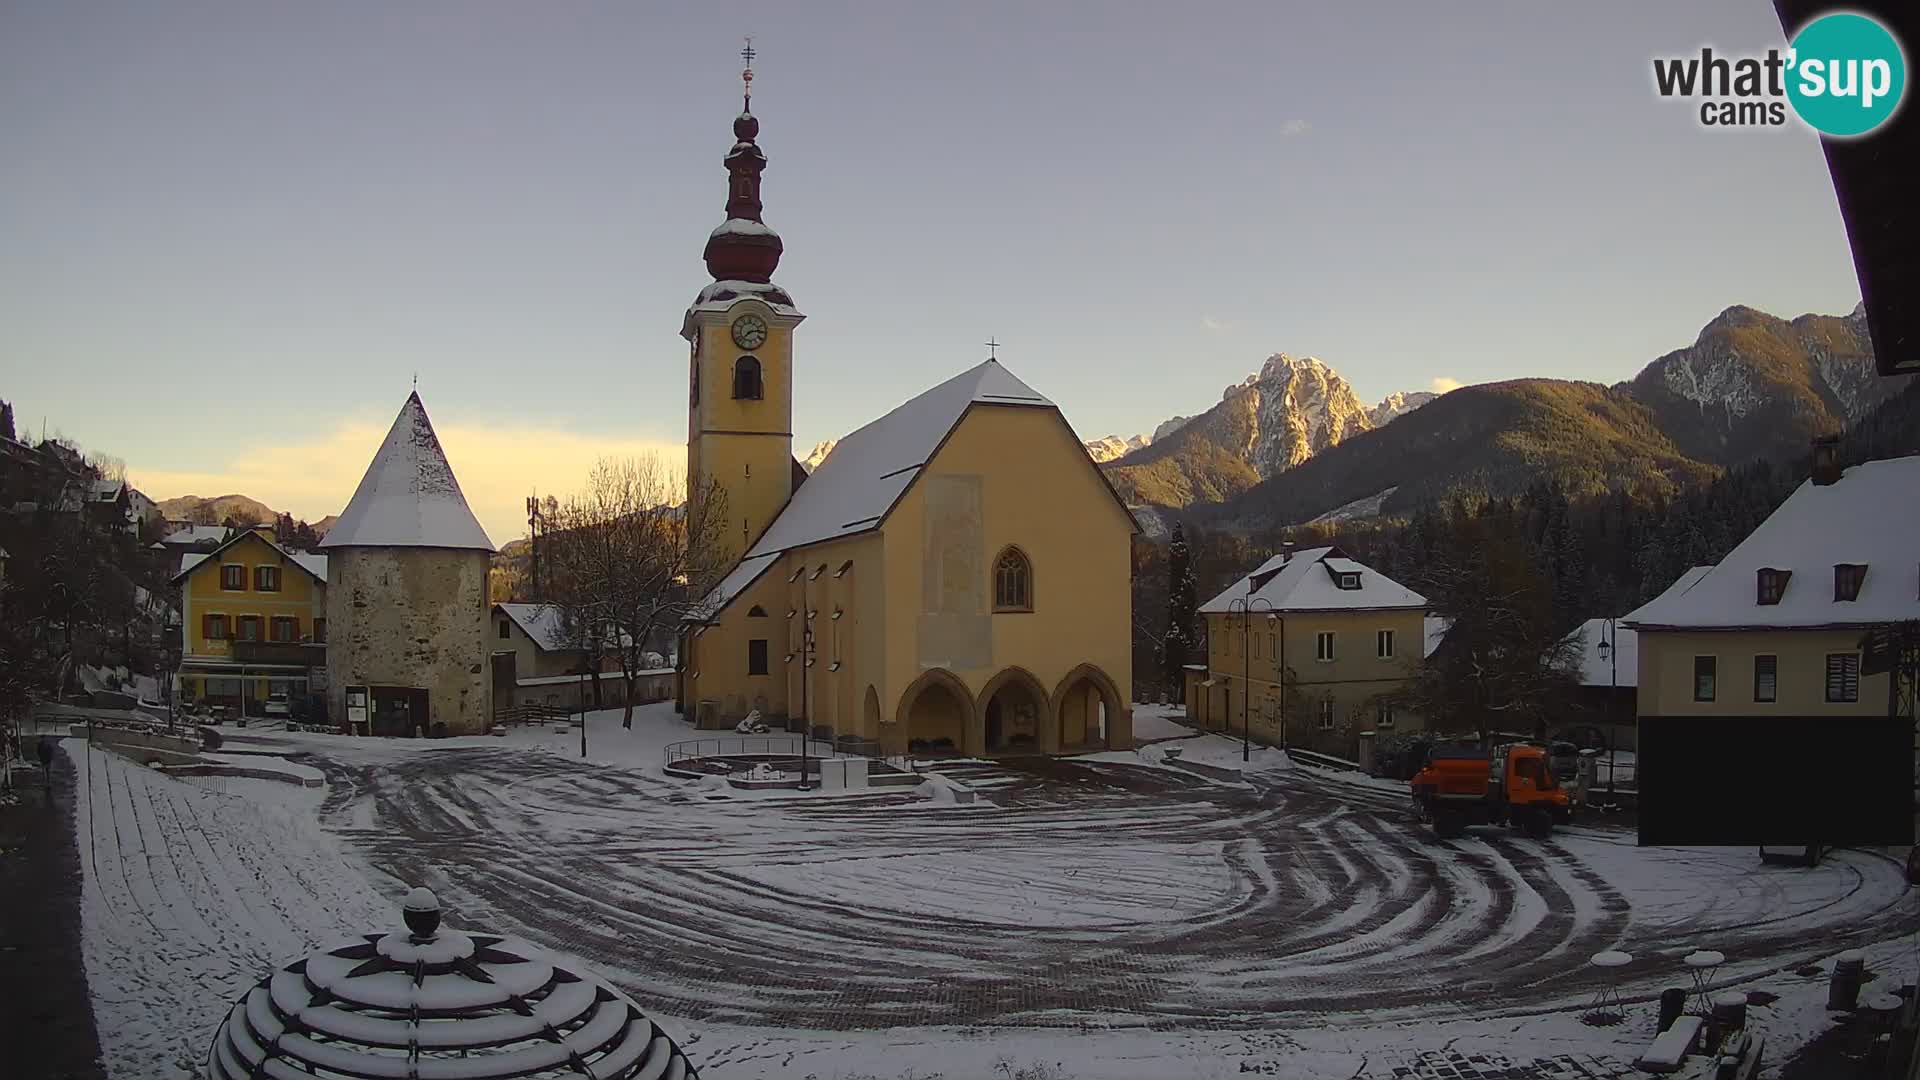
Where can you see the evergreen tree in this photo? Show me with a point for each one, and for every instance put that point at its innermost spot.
(6, 420)
(1177, 646)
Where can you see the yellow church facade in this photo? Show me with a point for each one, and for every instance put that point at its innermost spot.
(954, 578)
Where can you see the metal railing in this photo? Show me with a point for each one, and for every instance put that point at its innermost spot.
(1322, 761)
(772, 745)
(533, 713)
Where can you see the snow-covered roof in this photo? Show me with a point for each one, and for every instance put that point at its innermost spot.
(541, 622)
(1435, 627)
(722, 295)
(852, 490)
(312, 562)
(188, 535)
(1597, 668)
(1869, 516)
(745, 573)
(409, 497)
(1302, 583)
(742, 227)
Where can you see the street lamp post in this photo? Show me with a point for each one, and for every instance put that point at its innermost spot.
(1246, 609)
(1610, 650)
(806, 714)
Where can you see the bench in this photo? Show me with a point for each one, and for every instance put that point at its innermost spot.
(1671, 1046)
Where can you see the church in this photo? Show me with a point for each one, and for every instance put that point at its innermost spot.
(954, 578)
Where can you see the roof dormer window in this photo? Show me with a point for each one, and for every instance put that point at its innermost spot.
(1847, 579)
(1348, 581)
(1772, 585)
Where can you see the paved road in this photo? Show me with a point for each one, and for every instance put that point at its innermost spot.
(1079, 893)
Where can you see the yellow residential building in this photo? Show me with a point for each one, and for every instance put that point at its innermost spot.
(1775, 628)
(253, 622)
(1347, 638)
(955, 577)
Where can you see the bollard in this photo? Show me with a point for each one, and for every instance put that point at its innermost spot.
(1673, 1002)
(1727, 1014)
(1849, 971)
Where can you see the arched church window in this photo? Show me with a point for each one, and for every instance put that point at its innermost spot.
(746, 379)
(756, 612)
(1012, 581)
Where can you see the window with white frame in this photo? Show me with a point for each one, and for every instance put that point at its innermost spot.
(1383, 644)
(1383, 715)
(1323, 645)
(1326, 714)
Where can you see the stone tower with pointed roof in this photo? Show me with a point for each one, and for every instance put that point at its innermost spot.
(953, 579)
(407, 607)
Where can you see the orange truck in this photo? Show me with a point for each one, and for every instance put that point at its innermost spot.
(1511, 785)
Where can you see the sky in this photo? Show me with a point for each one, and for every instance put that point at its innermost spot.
(235, 232)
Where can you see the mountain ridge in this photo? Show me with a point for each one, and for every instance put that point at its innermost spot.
(1751, 385)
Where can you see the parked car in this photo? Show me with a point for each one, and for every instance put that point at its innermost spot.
(1584, 736)
(278, 705)
(1564, 759)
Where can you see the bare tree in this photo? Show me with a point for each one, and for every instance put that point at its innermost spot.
(629, 557)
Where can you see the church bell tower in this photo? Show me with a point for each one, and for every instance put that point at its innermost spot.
(740, 372)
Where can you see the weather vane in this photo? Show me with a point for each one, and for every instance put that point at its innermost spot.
(746, 73)
(993, 349)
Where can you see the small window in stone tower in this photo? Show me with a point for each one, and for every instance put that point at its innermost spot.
(746, 379)
(1012, 581)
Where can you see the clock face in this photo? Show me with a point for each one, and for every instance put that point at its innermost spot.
(749, 332)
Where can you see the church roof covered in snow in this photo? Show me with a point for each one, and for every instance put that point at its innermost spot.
(852, 490)
(408, 498)
(1867, 517)
(1310, 581)
(855, 487)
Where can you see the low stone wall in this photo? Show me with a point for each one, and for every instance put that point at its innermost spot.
(121, 737)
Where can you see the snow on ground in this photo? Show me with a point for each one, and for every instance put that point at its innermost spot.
(1111, 915)
(194, 888)
(1152, 723)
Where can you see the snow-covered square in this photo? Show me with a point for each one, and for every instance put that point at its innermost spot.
(1120, 914)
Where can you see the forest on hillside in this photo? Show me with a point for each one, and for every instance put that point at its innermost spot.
(1586, 556)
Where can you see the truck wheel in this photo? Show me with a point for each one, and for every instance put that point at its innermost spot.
(1538, 825)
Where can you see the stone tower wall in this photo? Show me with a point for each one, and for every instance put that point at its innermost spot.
(409, 616)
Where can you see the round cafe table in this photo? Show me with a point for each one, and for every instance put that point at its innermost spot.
(1606, 1006)
(1704, 963)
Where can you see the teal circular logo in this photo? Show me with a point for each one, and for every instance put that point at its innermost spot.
(1845, 74)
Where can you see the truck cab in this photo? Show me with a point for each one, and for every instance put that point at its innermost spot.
(1512, 785)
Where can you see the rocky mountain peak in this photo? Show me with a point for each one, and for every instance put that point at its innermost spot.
(1399, 403)
(1113, 446)
(818, 454)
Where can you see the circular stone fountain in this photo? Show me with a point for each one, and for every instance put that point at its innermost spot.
(432, 1002)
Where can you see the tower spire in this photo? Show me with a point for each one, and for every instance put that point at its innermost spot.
(746, 77)
(743, 248)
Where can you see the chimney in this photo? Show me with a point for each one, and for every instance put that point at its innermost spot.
(1826, 460)
(1286, 551)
